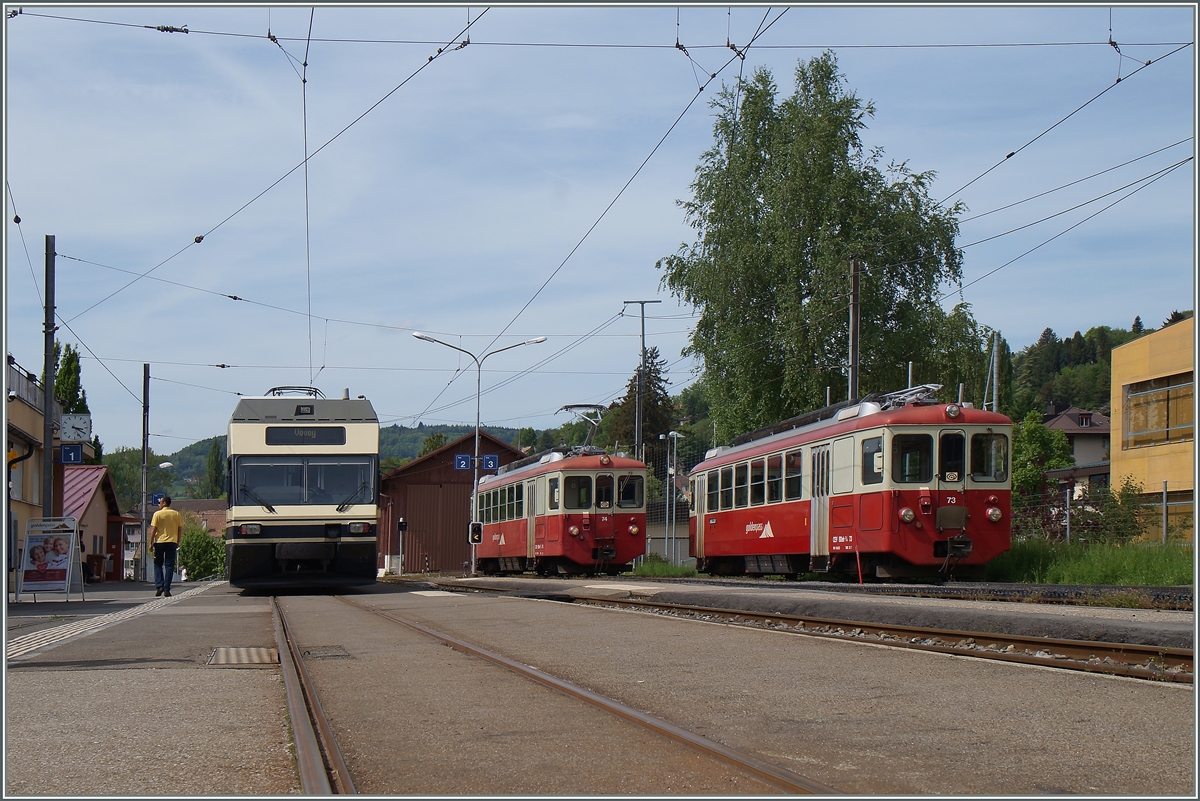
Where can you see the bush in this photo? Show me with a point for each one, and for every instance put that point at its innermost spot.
(201, 555)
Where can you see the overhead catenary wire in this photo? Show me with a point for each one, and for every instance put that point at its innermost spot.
(441, 51)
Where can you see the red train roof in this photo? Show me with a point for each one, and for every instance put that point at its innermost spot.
(922, 415)
(550, 464)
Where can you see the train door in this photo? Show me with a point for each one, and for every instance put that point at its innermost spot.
(532, 510)
(699, 510)
(950, 481)
(818, 545)
(605, 495)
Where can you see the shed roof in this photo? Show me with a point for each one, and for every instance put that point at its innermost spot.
(81, 482)
(420, 462)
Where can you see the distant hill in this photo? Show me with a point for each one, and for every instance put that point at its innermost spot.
(395, 441)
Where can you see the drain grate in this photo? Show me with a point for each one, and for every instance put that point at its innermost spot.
(244, 656)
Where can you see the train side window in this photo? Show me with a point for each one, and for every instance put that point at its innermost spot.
(912, 458)
(872, 460)
(758, 482)
(713, 488)
(726, 488)
(741, 473)
(952, 456)
(604, 491)
(989, 457)
(579, 492)
(775, 478)
(553, 497)
(495, 506)
(519, 511)
(793, 477)
(631, 492)
(485, 511)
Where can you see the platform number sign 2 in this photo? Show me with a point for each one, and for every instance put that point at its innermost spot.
(475, 533)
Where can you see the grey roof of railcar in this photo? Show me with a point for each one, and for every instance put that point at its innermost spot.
(275, 409)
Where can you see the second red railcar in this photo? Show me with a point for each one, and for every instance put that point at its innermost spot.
(578, 511)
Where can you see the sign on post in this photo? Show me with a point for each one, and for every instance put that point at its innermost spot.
(51, 560)
(491, 461)
(71, 454)
(462, 461)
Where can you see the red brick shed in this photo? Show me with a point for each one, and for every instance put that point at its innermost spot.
(434, 500)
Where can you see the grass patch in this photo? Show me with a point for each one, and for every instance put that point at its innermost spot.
(1131, 565)
(656, 566)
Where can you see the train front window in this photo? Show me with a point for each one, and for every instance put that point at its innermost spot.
(989, 457)
(578, 492)
(604, 491)
(631, 492)
(912, 458)
(295, 480)
(952, 456)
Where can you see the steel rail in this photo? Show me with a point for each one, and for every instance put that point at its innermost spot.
(320, 762)
(774, 775)
(1117, 659)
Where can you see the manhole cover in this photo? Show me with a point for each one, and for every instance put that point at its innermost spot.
(244, 656)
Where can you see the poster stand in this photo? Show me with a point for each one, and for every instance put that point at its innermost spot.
(51, 561)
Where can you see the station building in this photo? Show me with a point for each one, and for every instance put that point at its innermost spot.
(1153, 439)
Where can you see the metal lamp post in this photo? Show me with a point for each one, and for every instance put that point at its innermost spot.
(478, 387)
(672, 461)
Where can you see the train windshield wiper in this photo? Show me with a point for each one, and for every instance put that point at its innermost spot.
(344, 505)
(247, 491)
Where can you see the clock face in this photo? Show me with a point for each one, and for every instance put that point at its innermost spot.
(76, 427)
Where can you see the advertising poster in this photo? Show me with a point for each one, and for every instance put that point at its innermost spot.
(47, 560)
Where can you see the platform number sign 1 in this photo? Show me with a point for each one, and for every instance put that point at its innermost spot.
(475, 533)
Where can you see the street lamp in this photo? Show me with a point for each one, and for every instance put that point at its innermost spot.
(478, 386)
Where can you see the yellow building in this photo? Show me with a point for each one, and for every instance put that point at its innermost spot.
(1153, 421)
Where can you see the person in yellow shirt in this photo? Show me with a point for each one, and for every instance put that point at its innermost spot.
(166, 527)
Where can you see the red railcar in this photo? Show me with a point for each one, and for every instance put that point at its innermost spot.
(563, 512)
(896, 485)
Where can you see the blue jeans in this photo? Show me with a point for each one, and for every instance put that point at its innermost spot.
(164, 552)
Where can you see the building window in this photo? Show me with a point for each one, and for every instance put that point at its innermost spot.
(1085, 421)
(1158, 411)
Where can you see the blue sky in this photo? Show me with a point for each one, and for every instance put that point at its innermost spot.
(465, 183)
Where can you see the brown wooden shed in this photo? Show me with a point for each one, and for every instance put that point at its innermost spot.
(434, 500)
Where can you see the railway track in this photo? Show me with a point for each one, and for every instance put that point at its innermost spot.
(1116, 659)
(323, 771)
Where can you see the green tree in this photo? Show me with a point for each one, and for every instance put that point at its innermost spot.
(432, 443)
(526, 438)
(200, 554)
(658, 411)
(1037, 449)
(1137, 326)
(212, 485)
(782, 202)
(125, 467)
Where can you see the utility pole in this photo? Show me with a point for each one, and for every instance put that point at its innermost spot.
(996, 371)
(48, 388)
(854, 298)
(144, 569)
(641, 388)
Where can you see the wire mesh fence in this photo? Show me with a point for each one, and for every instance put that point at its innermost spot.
(1100, 515)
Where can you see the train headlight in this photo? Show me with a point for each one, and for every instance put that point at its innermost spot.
(907, 515)
(633, 529)
(994, 514)
(250, 529)
(360, 528)
(573, 531)
(953, 410)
